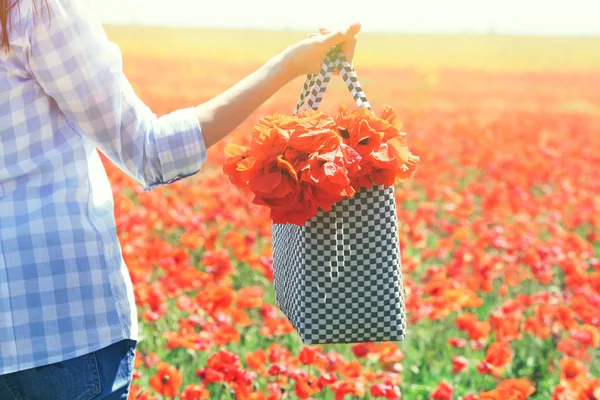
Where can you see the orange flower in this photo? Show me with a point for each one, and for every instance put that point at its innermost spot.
(195, 392)
(386, 389)
(350, 386)
(257, 361)
(239, 166)
(442, 392)
(317, 136)
(510, 389)
(352, 369)
(307, 386)
(240, 317)
(497, 356)
(475, 329)
(167, 380)
(250, 297)
(137, 393)
(572, 371)
(591, 390)
(587, 335)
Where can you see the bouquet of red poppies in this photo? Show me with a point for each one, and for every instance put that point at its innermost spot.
(298, 165)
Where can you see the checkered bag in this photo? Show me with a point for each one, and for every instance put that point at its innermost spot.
(338, 278)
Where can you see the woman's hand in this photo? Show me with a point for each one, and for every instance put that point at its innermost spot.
(306, 56)
(222, 114)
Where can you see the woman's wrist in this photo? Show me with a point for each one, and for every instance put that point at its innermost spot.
(282, 67)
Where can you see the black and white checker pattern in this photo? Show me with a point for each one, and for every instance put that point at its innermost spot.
(315, 85)
(309, 82)
(351, 81)
(338, 278)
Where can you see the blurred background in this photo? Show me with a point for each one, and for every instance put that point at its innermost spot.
(531, 17)
(499, 227)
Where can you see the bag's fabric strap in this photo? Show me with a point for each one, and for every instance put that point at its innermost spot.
(315, 85)
(309, 82)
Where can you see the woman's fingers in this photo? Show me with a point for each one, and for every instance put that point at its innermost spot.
(341, 36)
(347, 38)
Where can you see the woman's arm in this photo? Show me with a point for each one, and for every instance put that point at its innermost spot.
(77, 66)
(221, 115)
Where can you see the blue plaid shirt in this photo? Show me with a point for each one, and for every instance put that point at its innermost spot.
(64, 288)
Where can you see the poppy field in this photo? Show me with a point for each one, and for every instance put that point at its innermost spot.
(499, 226)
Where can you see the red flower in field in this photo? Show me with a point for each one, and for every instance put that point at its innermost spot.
(195, 392)
(242, 245)
(269, 311)
(225, 362)
(348, 387)
(275, 391)
(476, 329)
(572, 371)
(591, 390)
(245, 391)
(536, 327)
(137, 393)
(215, 298)
(276, 327)
(307, 386)
(387, 390)
(459, 363)
(226, 334)
(362, 349)
(218, 264)
(313, 356)
(457, 342)
(167, 380)
(506, 326)
(387, 353)
(327, 379)
(442, 392)
(497, 356)
(510, 389)
(277, 369)
(210, 375)
(156, 300)
(470, 396)
(257, 361)
(278, 353)
(351, 369)
(571, 348)
(564, 392)
(250, 297)
(239, 317)
(587, 335)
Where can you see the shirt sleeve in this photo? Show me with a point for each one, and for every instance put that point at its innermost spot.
(75, 64)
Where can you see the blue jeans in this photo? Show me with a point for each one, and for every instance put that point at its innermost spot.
(102, 375)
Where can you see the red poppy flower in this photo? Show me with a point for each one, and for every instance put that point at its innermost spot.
(167, 380)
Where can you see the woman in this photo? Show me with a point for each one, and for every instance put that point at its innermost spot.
(68, 324)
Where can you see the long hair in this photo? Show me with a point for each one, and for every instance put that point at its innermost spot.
(5, 9)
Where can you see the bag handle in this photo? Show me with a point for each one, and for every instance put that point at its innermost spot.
(315, 85)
